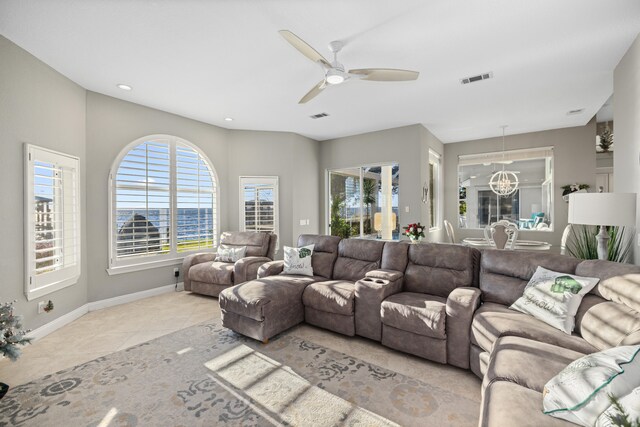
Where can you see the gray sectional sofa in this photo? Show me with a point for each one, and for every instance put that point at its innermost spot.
(446, 303)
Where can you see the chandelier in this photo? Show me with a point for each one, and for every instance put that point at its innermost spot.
(503, 182)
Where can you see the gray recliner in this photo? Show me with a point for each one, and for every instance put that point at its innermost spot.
(203, 275)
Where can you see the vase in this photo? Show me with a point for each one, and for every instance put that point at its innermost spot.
(3, 389)
(415, 240)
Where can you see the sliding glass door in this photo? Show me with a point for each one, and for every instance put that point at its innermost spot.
(363, 202)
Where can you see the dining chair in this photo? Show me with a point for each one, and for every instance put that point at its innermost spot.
(451, 237)
(500, 233)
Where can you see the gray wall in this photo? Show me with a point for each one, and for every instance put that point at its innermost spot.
(111, 125)
(291, 157)
(574, 161)
(41, 107)
(408, 146)
(626, 115)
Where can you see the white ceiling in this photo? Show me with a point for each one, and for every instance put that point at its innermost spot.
(208, 60)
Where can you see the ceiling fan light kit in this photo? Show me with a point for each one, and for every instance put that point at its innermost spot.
(503, 183)
(335, 73)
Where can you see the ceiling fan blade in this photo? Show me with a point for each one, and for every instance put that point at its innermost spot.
(304, 48)
(385, 74)
(315, 91)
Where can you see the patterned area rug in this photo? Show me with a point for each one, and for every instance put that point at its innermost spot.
(208, 375)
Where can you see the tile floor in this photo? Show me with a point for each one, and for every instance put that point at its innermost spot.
(105, 331)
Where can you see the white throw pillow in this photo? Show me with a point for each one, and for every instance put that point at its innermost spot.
(630, 404)
(580, 392)
(230, 253)
(554, 297)
(298, 260)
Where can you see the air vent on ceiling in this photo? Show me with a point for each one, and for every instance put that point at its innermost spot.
(319, 115)
(575, 112)
(477, 78)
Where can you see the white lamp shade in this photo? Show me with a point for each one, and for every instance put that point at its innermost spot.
(602, 208)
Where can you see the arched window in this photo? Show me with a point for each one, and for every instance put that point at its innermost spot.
(163, 200)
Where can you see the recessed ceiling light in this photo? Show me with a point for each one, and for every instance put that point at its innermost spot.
(473, 177)
(124, 87)
(228, 119)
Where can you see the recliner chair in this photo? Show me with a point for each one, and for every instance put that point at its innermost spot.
(203, 275)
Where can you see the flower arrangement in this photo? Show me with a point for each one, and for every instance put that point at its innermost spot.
(415, 232)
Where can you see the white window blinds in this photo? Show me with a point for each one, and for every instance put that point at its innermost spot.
(52, 231)
(163, 202)
(259, 204)
(196, 193)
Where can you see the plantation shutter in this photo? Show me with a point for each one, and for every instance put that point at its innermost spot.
(52, 230)
(143, 201)
(259, 204)
(196, 201)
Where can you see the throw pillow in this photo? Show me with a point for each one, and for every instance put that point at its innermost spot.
(298, 260)
(227, 253)
(629, 403)
(554, 297)
(580, 392)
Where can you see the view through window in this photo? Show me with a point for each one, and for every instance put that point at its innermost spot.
(363, 202)
(530, 206)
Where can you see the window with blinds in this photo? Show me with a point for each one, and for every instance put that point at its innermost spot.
(259, 204)
(163, 202)
(52, 232)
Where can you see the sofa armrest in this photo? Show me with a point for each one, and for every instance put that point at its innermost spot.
(369, 294)
(461, 305)
(271, 268)
(246, 268)
(391, 275)
(191, 260)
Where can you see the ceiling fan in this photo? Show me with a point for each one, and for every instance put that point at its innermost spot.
(334, 72)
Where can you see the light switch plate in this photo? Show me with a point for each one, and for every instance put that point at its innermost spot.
(303, 222)
(406, 209)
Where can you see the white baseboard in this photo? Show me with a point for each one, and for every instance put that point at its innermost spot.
(123, 299)
(58, 323)
(65, 319)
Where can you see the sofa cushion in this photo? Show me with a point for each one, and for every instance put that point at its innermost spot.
(492, 321)
(395, 256)
(325, 252)
(250, 298)
(504, 274)
(527, 362)
(606, 324)
(333, 296)
(618, 282)
(437, 269)
(421, 314)
(257, 243)
(508, 404)
(220, 273)
(356, 257)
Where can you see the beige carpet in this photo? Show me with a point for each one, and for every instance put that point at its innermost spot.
(208, 375)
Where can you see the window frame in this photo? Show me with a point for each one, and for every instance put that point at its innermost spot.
(138, 263)
(247, 180)
(36, 287)
(436, 160)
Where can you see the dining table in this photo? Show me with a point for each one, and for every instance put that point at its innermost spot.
(521, 245)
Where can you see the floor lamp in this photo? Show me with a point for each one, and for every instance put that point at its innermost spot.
(603, 209)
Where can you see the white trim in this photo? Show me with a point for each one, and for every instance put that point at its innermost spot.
(67, 318)
(123, 299)
(58, 323)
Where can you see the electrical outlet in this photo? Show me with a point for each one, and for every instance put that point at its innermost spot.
(176, 272)
(41, 306)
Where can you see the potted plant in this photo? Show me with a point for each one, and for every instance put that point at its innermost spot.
(415, 232)
(606, 139)
(572, 188)
(12, 336)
